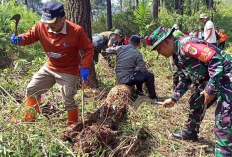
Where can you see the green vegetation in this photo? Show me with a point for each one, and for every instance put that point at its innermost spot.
(130, 20)
(43, 138)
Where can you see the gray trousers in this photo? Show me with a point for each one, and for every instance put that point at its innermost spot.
(45, 78)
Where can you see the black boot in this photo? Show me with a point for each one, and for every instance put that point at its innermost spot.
(186, 134)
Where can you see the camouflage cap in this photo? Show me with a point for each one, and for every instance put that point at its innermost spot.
(118, 31)
(159, 35)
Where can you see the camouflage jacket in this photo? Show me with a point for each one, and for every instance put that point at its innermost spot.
(208, 75)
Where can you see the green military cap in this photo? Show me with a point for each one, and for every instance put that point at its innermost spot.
(159, 35)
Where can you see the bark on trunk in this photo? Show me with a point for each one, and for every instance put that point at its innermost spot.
(79, 12)
(137, 2)
(120, 5)
(176, 4)
(207, 2)
(156, 12)
(181, 7)
(210, 4)
(189, 8)
(109, 15)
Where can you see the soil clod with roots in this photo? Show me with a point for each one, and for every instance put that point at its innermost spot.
(101, 127)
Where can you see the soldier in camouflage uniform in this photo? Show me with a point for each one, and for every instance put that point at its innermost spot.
(175, 77)
(210, 70)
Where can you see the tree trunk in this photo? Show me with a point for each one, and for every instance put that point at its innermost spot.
(79, 12)
(176, 5)
(137, 2)
(109, 15)
(210, 4)
(26, 2)
(156, 12)
(130, 5)
(197, 6)
(181, 7)
(120, 2)
(181, 12)
(207, 2)
(189, 8)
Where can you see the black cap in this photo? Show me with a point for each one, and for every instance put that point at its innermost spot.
(135, 39)
(216, 26)
(52, 11)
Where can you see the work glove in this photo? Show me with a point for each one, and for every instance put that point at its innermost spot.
(15, 40)
(84, 74)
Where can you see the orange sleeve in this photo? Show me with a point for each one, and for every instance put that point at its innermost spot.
(31, 36)
(85, 44)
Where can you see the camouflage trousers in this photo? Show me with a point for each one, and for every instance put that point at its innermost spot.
(196, 114)
(223, 119)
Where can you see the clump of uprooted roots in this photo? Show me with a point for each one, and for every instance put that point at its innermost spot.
(99, 130)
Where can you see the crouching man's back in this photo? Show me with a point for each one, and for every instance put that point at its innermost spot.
(128, 58)
(131, 68)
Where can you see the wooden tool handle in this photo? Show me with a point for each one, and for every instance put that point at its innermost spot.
(160, 103)
(16, 33)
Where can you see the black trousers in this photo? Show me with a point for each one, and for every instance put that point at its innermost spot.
(222, 45)
(144, 77)
(104, 54)
(215, 44)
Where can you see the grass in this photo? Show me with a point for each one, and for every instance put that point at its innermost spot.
(43, 138)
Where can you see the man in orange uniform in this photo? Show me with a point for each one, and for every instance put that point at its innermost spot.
(222, 40)
(61, 40)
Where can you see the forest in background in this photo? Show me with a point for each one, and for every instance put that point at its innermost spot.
(18, 64)
(132, 16)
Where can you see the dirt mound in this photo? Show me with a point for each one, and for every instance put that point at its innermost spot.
(91, 138)
(100, 128)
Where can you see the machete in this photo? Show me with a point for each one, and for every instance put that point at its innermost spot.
(143, 99)
(16, 17)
